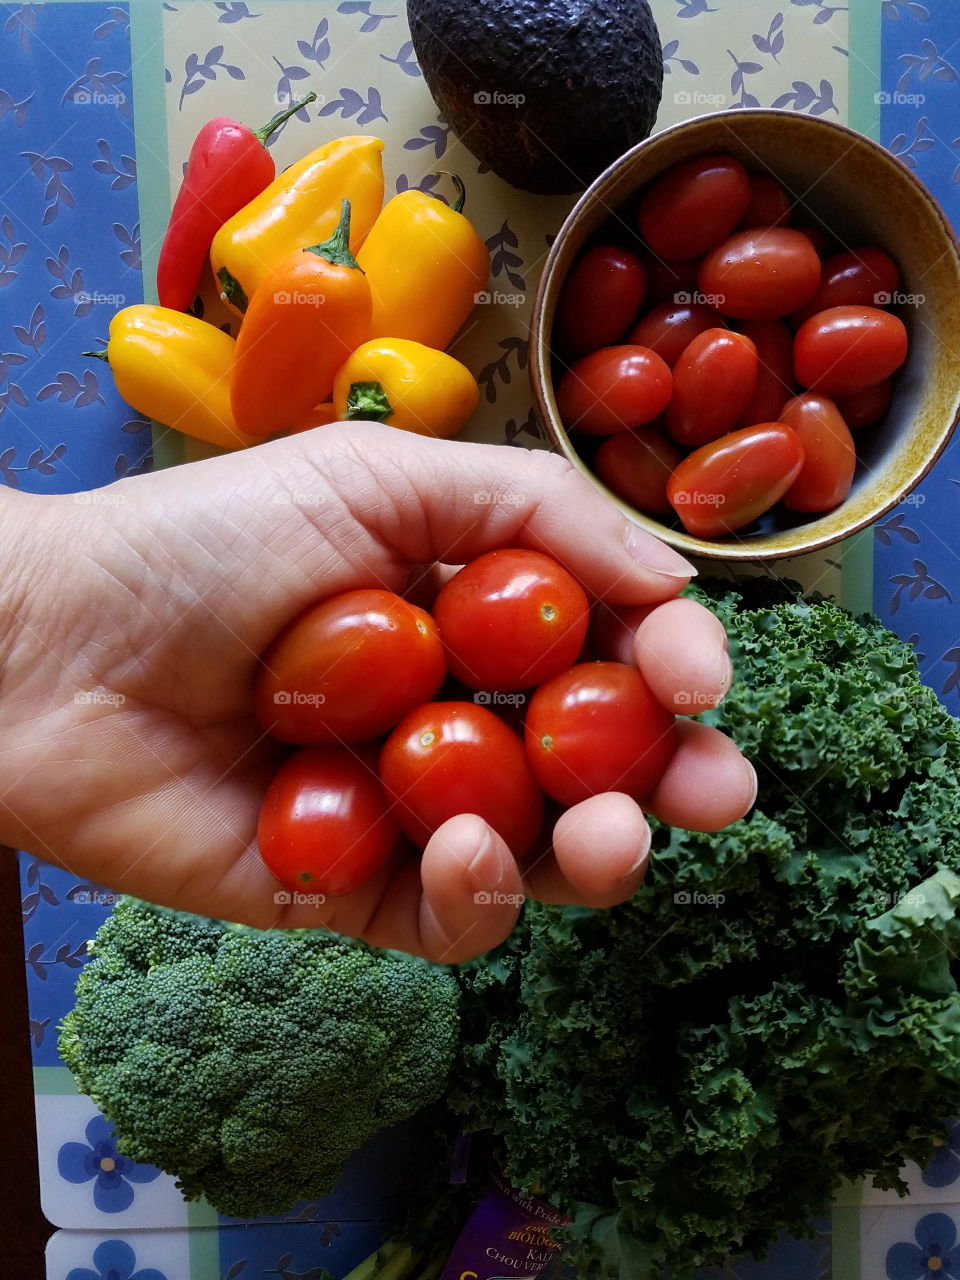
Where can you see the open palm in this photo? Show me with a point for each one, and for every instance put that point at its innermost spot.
(133, 622)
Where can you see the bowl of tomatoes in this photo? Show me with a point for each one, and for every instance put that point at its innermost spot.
(746, 334)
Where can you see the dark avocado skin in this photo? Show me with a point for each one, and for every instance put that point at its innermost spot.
(591, 73)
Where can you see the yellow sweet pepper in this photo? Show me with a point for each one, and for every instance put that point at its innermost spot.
(425, 264)
(300, 207)
(175, 369)
(405, 385)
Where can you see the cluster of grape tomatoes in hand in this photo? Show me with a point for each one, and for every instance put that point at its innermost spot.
(489, 704)
(727, 357)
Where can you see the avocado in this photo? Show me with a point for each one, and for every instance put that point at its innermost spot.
(547, 93)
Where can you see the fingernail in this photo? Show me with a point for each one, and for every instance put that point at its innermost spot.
(486, 868)
(656, 555)
(724, 674)
(638, 866)
(754, 785)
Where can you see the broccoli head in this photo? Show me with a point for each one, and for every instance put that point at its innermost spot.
(251, 1064)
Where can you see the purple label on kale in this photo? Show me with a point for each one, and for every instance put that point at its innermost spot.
(506, 1238)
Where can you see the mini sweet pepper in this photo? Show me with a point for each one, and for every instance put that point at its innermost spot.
(310, 310)
(426, 264)
(229, 164)
(175, 369)
(301, 207)
(406, 385)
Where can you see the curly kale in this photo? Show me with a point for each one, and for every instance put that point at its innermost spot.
(251, 1064)
(776, 1010)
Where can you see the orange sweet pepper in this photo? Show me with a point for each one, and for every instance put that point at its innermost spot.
(310, 310)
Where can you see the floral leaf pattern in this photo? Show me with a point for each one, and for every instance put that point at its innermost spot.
(406, 60)
(371, 21)
(352, 105)
(121, 175)
(198, 72)
(48, 170)
(231, 13)
(19, 109)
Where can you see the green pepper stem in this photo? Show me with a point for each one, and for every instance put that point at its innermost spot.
(457, 181)
(97, 355)
(368, 402)
(273, 125)
(231, 290)
(337, 248)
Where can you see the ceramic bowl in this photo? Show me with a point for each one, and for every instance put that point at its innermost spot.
(860, 194)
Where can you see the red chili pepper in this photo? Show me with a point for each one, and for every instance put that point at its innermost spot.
(229, 164)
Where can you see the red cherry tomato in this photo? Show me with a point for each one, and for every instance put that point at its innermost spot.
(599, 300)
(348, 669)
(693, 206)
(511, 619)
(598, 728)
(757, 275)
(866, 407)
(770, 205)
(713, 382)
(447, 758)
(775, 385)
(325, 825)
(670, 328)
(668, 281)
(830, 456)
(636, 465)
(614, 389)
(858, 278)
(847, 349)
(726, 485)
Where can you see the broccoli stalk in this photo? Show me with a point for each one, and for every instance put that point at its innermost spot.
(251, 1064)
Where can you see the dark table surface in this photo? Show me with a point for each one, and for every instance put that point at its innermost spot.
(26, 1233)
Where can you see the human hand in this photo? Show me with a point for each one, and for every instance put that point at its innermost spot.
(132, 623)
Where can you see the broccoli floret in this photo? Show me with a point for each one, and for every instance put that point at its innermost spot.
(251, 1064)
